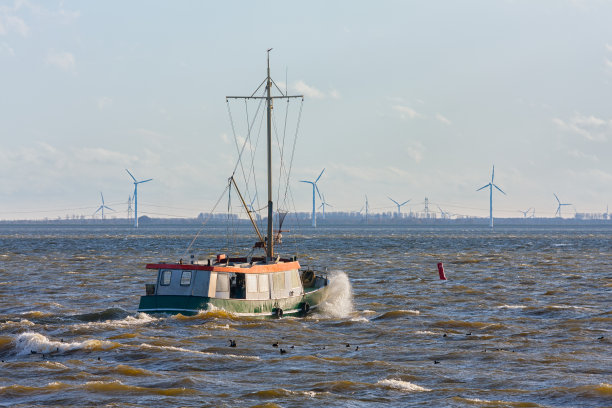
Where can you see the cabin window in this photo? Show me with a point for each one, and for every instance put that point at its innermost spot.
(166, 277)
(251, 283)
(278, 280)
(294, 278)
(186, 278)
(264, 285)
(222, 282)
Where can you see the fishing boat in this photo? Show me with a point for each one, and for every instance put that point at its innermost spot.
(265, 285)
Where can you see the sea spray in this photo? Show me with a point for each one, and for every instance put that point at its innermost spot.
(31, 342)
(339, 300)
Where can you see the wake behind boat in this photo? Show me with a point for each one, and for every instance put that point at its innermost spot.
(268, 285)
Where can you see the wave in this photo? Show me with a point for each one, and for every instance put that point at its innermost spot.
(280, 393)
(339, 300)
(496, 403)
(511, 307)
(31, 342)
(401, 385)
(107, 387)
(203, 353)
(113, 313)
(140, 318)
(11, 324)
(396, 314)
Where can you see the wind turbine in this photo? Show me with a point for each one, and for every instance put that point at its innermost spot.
(314, 187)
(102, 207)
(250, 207)
(323, 204)
(559, 207)
(136, 183)
(399, 206)
(491, 185)
(526, 212)
(367, 207)
(443, 213)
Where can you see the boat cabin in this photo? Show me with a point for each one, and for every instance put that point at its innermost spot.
(232, 280)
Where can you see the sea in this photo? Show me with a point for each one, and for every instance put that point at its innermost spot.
(524, 319)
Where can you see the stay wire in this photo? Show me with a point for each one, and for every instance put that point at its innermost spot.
(210, 214)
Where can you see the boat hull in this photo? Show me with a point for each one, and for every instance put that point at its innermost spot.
(192, 305)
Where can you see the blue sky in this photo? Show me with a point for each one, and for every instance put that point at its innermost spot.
(402, 98)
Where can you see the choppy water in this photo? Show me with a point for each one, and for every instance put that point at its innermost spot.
(525, 320)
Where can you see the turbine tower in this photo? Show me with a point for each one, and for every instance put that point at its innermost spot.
(399, 206)
(314, 187)
(323, 204)
(102, 207)
(558, 212)
(491, 185)
(136, 183)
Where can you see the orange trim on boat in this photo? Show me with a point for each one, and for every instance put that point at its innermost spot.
(276, 267)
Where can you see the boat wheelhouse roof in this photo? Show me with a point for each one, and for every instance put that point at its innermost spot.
(237, 265)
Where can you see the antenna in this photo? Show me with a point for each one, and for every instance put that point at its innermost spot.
(491, 185)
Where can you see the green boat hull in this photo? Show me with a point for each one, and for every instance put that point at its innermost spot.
(192, 305)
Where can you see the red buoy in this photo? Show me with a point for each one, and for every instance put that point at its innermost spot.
(441, 271)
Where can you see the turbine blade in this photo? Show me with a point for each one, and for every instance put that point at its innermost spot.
(318, 192)
(144, 181)
(559, 201)
(493, 174)
(485, 186)
(405, 202)
(494, 185)
(133, 178)
(304, 181)
(396, 203)
(320, 175)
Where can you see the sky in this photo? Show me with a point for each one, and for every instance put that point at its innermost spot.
(402, 99)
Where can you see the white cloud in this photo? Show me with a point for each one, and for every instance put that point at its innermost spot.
(6, 49)
(407, 111)
(589, 127)
(62, 60)
(415, 151)
(334, 94)
(581, 155)
(443, 119)
(609, 47)
(10, 23)
(308, 90)
(608, 64)
(104, 102)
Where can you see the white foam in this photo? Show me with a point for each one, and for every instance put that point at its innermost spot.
(140, 318)
(29, 342)
(339, 299)
(14, 324)
(424, 332)
(402, 385)
(511, 307)
(203, 353)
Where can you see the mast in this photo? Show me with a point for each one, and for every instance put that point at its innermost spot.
(270, 238)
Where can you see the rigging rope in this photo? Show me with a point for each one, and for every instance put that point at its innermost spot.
(206, 220)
